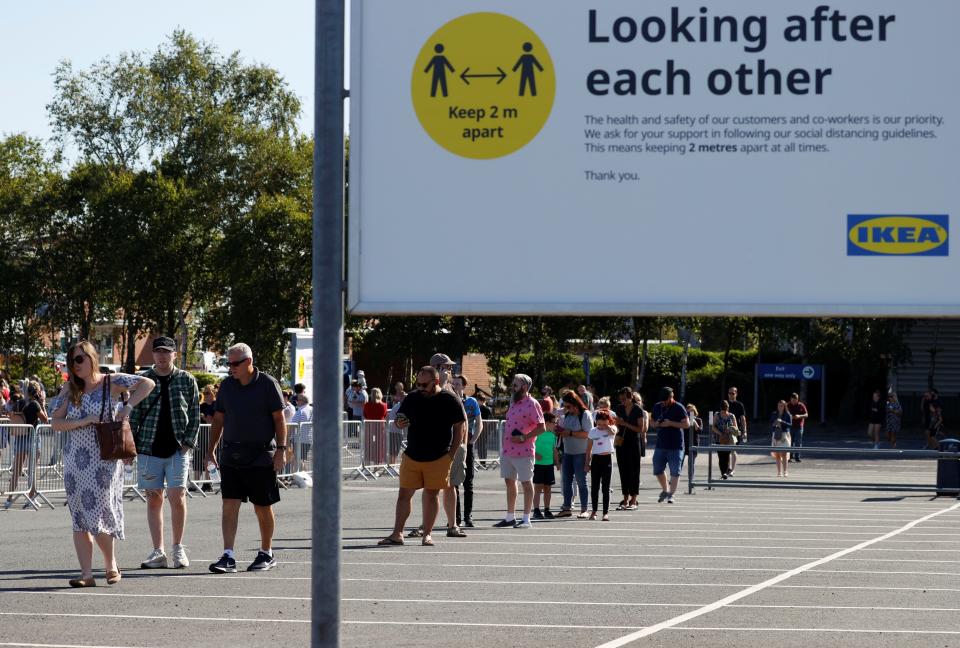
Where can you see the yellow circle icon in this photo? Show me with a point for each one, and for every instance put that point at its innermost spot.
(483, 85)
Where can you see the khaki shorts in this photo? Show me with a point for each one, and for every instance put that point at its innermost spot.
(458, 470)
(434, 475)
(517, 468)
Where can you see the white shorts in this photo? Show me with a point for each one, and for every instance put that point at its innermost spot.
(517, 468)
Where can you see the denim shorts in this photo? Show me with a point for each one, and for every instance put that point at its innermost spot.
(152, 471)
(662, 457)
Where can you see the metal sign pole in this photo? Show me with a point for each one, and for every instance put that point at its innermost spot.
(328, 313)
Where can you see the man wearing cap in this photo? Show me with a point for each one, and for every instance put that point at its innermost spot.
(165, 425)
(669, 419)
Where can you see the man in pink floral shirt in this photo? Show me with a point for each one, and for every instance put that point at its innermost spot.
(524, 423)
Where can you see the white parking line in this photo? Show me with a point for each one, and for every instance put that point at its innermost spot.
(643, 605)
(578, 583)
(39, 645)
(683, 618)
(831, 630)
(173, 596)
(526, 626)
(686, 568)
(543, 567)
(40, 615)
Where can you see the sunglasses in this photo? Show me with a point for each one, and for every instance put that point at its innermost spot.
(237, 363)
(78, 359)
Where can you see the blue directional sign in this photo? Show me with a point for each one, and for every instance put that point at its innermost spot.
(789, 372)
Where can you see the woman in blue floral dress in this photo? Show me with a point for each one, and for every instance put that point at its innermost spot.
(94, 487)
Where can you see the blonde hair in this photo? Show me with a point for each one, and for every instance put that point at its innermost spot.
(376, 395)
(604, 403)
(77, 384)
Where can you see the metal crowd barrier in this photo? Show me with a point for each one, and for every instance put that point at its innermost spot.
(486, 452)
(198, 477)
(18, 464)
(866, 453)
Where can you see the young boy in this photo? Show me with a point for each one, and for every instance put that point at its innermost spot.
(546, 458)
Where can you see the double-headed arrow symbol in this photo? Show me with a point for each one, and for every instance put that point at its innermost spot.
(500, 76)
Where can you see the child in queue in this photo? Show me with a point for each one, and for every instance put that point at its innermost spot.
(547, 457)
(599, 462)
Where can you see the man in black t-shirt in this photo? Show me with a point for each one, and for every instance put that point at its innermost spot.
(739, 410)
(249, 417)
(436, 427)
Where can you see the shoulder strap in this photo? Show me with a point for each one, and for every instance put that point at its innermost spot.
(104, 396)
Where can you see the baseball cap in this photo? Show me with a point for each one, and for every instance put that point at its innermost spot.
(164, 343)
(441, 359)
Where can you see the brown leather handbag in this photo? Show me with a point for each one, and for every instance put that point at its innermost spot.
(114, 437)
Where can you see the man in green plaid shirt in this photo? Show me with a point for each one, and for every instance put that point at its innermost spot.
(165, 427)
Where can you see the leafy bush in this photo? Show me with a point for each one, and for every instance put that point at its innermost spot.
(204, 378)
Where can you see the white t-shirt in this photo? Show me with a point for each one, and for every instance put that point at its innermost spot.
(602, 440)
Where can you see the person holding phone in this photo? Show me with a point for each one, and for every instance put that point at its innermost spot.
(436, 427)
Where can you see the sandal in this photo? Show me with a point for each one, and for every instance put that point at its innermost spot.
(82, 582)
(623, 506)
(389, 541)
(113, 577)
(416, 533)
(427, 541)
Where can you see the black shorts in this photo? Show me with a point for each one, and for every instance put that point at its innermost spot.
(544, 474)
(258, 484)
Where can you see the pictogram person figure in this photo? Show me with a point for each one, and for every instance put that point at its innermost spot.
(440, 65)
(526, 63)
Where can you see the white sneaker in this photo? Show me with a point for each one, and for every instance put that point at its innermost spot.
(180, 557)
(156, 560)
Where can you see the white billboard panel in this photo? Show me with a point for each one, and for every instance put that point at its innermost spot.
(745, 157)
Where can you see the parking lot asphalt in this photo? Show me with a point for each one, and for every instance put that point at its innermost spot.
(731, 567)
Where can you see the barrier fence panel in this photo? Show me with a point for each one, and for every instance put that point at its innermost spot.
(847, 477)
(487, 448)
(285, 476)
(19, 465)
(48, 476)
(396, 442)
(303, 444)
(200, 480)
(352, 451)
(375, 448)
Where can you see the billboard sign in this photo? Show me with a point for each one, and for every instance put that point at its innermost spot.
(742, 158)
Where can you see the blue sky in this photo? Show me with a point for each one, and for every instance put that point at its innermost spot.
(36, 35)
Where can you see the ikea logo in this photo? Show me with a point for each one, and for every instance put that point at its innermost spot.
(898, 235)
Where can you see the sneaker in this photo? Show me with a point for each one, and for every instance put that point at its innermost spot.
(468, 523)
(520, 524)
(537, 514)
(262, 562)
(455, 532)
(180, 559)
(547, 513)
(505, 524)
(7, 504)
(226, 565)
(662, 498)
(797, 460)
(156, 560)
(724, 476)
(669, 499)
